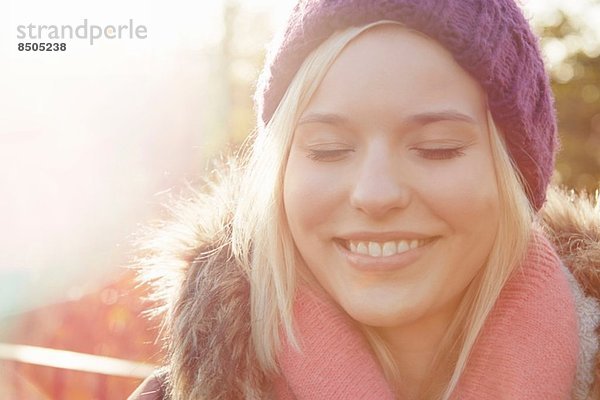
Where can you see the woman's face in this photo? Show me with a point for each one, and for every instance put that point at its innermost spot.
(390, 191)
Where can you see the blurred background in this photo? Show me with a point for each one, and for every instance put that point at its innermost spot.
(93, 140)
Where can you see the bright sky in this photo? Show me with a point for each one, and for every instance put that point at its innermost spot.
(89, 136)
(86, 132)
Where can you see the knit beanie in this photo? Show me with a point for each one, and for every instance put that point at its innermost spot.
(490, 39)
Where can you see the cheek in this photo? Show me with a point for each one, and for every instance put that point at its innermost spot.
(310, 195)
(466, 200)
(466, 195)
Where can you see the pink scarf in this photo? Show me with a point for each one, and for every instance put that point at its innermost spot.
(527, 350)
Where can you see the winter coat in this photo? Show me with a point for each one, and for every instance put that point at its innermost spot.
(203, 294)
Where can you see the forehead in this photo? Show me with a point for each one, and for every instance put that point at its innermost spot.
(389, 70)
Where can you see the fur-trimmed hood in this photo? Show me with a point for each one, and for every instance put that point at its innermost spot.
(201, 294)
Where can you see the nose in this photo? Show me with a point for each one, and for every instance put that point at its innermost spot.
(380, 185)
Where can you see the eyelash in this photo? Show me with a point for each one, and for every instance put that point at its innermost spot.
(327, 155)
(441, 154)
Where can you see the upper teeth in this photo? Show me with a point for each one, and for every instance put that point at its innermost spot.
(378, 249)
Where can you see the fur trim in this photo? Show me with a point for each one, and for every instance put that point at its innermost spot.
(572, 222)
(202, 294)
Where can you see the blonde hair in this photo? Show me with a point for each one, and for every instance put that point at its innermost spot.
(261, 240)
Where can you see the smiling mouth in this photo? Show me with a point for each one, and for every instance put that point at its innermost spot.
(383, 249)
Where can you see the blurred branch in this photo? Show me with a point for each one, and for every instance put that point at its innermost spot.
(74, 361)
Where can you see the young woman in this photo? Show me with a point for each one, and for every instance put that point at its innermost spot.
(381, 237)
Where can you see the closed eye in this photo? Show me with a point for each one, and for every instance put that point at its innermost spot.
(440, 153)
(328, 155)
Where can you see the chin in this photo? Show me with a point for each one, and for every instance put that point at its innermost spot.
(380, 315)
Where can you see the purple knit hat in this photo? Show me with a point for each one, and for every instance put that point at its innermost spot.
(490, 39)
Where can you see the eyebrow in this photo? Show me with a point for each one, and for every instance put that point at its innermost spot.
(421, 119)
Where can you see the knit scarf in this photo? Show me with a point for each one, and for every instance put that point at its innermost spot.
(527, 348)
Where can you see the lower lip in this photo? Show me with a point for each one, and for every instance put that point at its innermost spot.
(366, 263)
